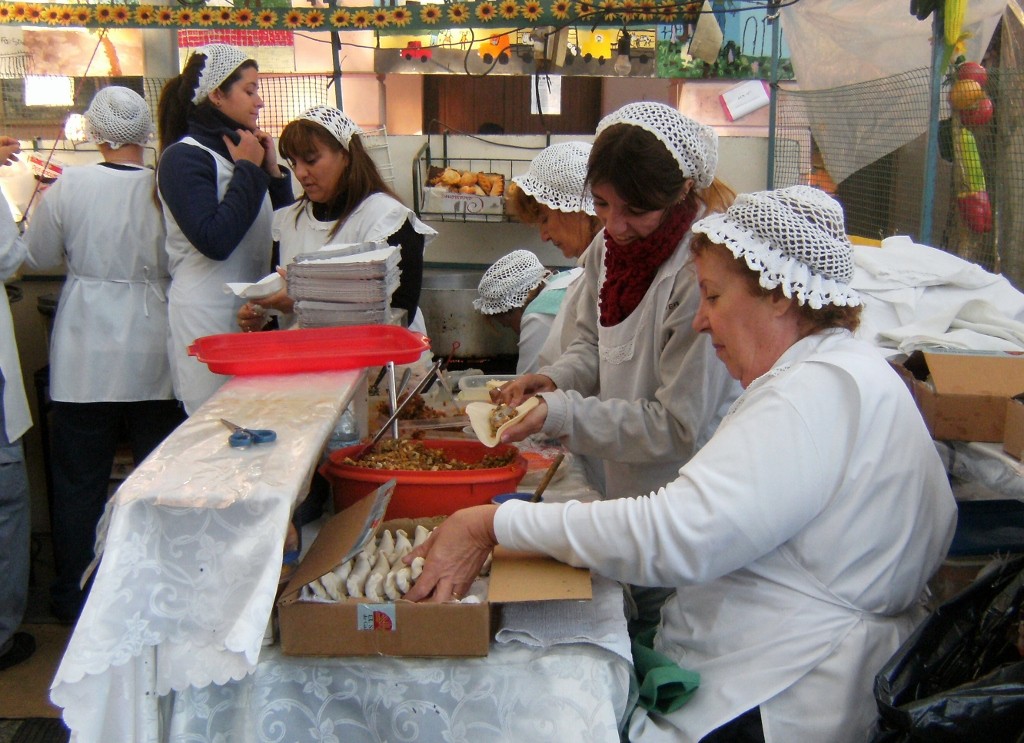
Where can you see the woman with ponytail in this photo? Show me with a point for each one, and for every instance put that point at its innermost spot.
(219, 181)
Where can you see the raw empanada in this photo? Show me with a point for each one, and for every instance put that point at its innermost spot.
(481, 416)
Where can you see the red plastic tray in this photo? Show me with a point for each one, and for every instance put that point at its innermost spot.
(308, 350)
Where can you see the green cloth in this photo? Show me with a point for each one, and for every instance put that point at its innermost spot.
(546, 303)
(664, 686)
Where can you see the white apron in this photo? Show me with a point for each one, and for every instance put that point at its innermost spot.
(625, 374)
(377, 218)
(197, 303)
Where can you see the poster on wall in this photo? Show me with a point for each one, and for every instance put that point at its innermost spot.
(746, 47)
(274, 51)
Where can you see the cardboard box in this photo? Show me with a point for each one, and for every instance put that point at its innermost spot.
(962, 395)
(1013, 430)
(402, 628)
(442, 201)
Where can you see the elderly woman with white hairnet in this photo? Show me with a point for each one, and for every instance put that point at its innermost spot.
(553, 195)
(800, 545)
(108, 357)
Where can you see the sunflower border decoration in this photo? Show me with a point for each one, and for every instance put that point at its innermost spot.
(399, 19)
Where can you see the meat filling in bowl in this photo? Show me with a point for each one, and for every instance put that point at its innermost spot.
(405, 454)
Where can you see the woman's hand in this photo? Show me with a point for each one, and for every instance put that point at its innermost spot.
(251, 317)
(532, 422)
(9, 147)
(514, 392)
(248, 147)
(269, 154)
(455, 552)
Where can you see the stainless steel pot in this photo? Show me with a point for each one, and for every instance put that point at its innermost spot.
(446, 300)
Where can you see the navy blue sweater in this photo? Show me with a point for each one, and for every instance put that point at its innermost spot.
(187, 179)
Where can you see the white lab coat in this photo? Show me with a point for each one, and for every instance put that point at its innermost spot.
(563, 327)
(643, 395)
(110, 334)
(198, 305)
(17, 418)
(377, 218)
(800, 539)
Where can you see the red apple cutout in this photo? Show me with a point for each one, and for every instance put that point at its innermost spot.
(979, 114)
(972, 71)
(975, 211)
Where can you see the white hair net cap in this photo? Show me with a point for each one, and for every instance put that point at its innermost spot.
(794, 238)
(334, 121)
(118, 116)
(506, 284)
(221, 61)
(557, 178)
(693, 145)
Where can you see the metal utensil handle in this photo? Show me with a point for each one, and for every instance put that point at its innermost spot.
(398, 408)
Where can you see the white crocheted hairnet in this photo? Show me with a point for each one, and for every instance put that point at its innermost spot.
(118, 116)
(334, 121)
(693, 145)
(506, 284)
(794, 238)
(557, 176)
(221, 61)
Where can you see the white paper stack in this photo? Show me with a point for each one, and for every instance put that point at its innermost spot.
(344, 284)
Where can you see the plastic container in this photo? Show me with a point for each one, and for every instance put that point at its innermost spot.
(308, 349)
(506, 497)
(474, 387)
(421, 494)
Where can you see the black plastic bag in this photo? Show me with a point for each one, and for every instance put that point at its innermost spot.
(960, 675)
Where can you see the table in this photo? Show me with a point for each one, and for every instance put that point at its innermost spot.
(191, 555)
(169, 646)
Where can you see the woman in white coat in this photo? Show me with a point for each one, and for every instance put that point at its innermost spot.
(108, 355)
(219, 182)
(799, 545)
(553, 195)
(637, 387)
(345, 200)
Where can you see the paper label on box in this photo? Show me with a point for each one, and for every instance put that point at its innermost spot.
(376, 617)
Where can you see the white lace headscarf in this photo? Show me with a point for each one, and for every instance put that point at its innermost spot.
(118, 116)
(557, 178)
(792, 237)
(508, 282)
(693, 145)
(221, 61)
(334, 121)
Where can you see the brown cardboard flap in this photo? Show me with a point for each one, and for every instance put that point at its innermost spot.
(976, 373)
(528, 576)
(340, 538)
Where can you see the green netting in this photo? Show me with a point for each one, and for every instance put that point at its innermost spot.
(867, 144)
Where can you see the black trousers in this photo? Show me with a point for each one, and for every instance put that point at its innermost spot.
(744, 729)
(84, 438)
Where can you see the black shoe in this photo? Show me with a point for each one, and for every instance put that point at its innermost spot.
(21, 647)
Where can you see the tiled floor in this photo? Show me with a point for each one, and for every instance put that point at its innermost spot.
(28, 683)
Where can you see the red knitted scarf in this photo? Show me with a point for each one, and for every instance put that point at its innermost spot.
(630, 268)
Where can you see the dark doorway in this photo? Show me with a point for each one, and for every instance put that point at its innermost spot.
(463, 103)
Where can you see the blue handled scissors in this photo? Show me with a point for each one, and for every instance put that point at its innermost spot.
(241, 438)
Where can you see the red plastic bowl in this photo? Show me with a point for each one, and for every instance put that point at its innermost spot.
(421, 494)
(308, 349)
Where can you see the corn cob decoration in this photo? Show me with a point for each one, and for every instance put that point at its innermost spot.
(953, 20)
(966, 149)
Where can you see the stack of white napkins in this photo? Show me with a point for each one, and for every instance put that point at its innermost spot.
(344, 284)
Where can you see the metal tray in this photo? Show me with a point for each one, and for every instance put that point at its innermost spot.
(308, 349)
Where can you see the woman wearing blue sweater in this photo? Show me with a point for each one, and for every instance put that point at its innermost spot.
(219, 181)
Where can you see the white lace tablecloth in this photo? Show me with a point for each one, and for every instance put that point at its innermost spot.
(553, 691)
(169, 645)
(192, 556)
